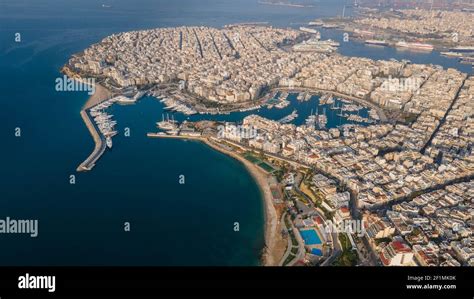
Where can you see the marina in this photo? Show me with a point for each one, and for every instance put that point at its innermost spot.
(101, 126)
(172, 104)
(167, 124)
(331, 111)
(289, 118)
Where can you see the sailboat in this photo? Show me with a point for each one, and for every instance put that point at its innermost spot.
(340, 111)
(323, 119)
(311, 120)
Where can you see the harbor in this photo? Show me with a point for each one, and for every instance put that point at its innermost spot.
(324, 112)
(101, 124)
(329, 98)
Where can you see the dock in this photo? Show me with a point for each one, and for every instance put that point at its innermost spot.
(99, 141)
(164, 135)
(289, 118)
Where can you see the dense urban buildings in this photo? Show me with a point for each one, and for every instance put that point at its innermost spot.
(422, 4)
(457, 26)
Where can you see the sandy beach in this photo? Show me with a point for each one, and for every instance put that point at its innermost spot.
(101, 94)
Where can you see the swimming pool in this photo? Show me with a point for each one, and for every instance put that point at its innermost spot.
(310, 237)
(317, 251)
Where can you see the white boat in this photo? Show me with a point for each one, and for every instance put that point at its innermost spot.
(462, 49)
(138, 95)
(330, 26)
(322, 120)
(125, 100)
(451, 54)
(289, 118)
(282, 104)
(330, 100)
(108, 141)
(376, 42)
(283, 96)
(309, 30)
(316, 23)
(110, 134)
(332, 43)
(419, 46)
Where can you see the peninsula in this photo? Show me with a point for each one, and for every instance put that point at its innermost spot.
(406, 172)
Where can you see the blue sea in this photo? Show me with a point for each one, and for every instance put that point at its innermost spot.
(137, 182)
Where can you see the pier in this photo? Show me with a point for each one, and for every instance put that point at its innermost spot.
(101, 94)
(99, 141)
(289, 118)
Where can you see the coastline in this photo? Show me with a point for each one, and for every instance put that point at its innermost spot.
(271, 252)
(100, 92)
(275, 245)
(269, 256)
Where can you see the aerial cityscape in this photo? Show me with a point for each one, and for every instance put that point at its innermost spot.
(310, 133)
(404, 171)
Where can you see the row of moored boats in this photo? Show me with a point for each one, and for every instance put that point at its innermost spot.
(104, 121)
